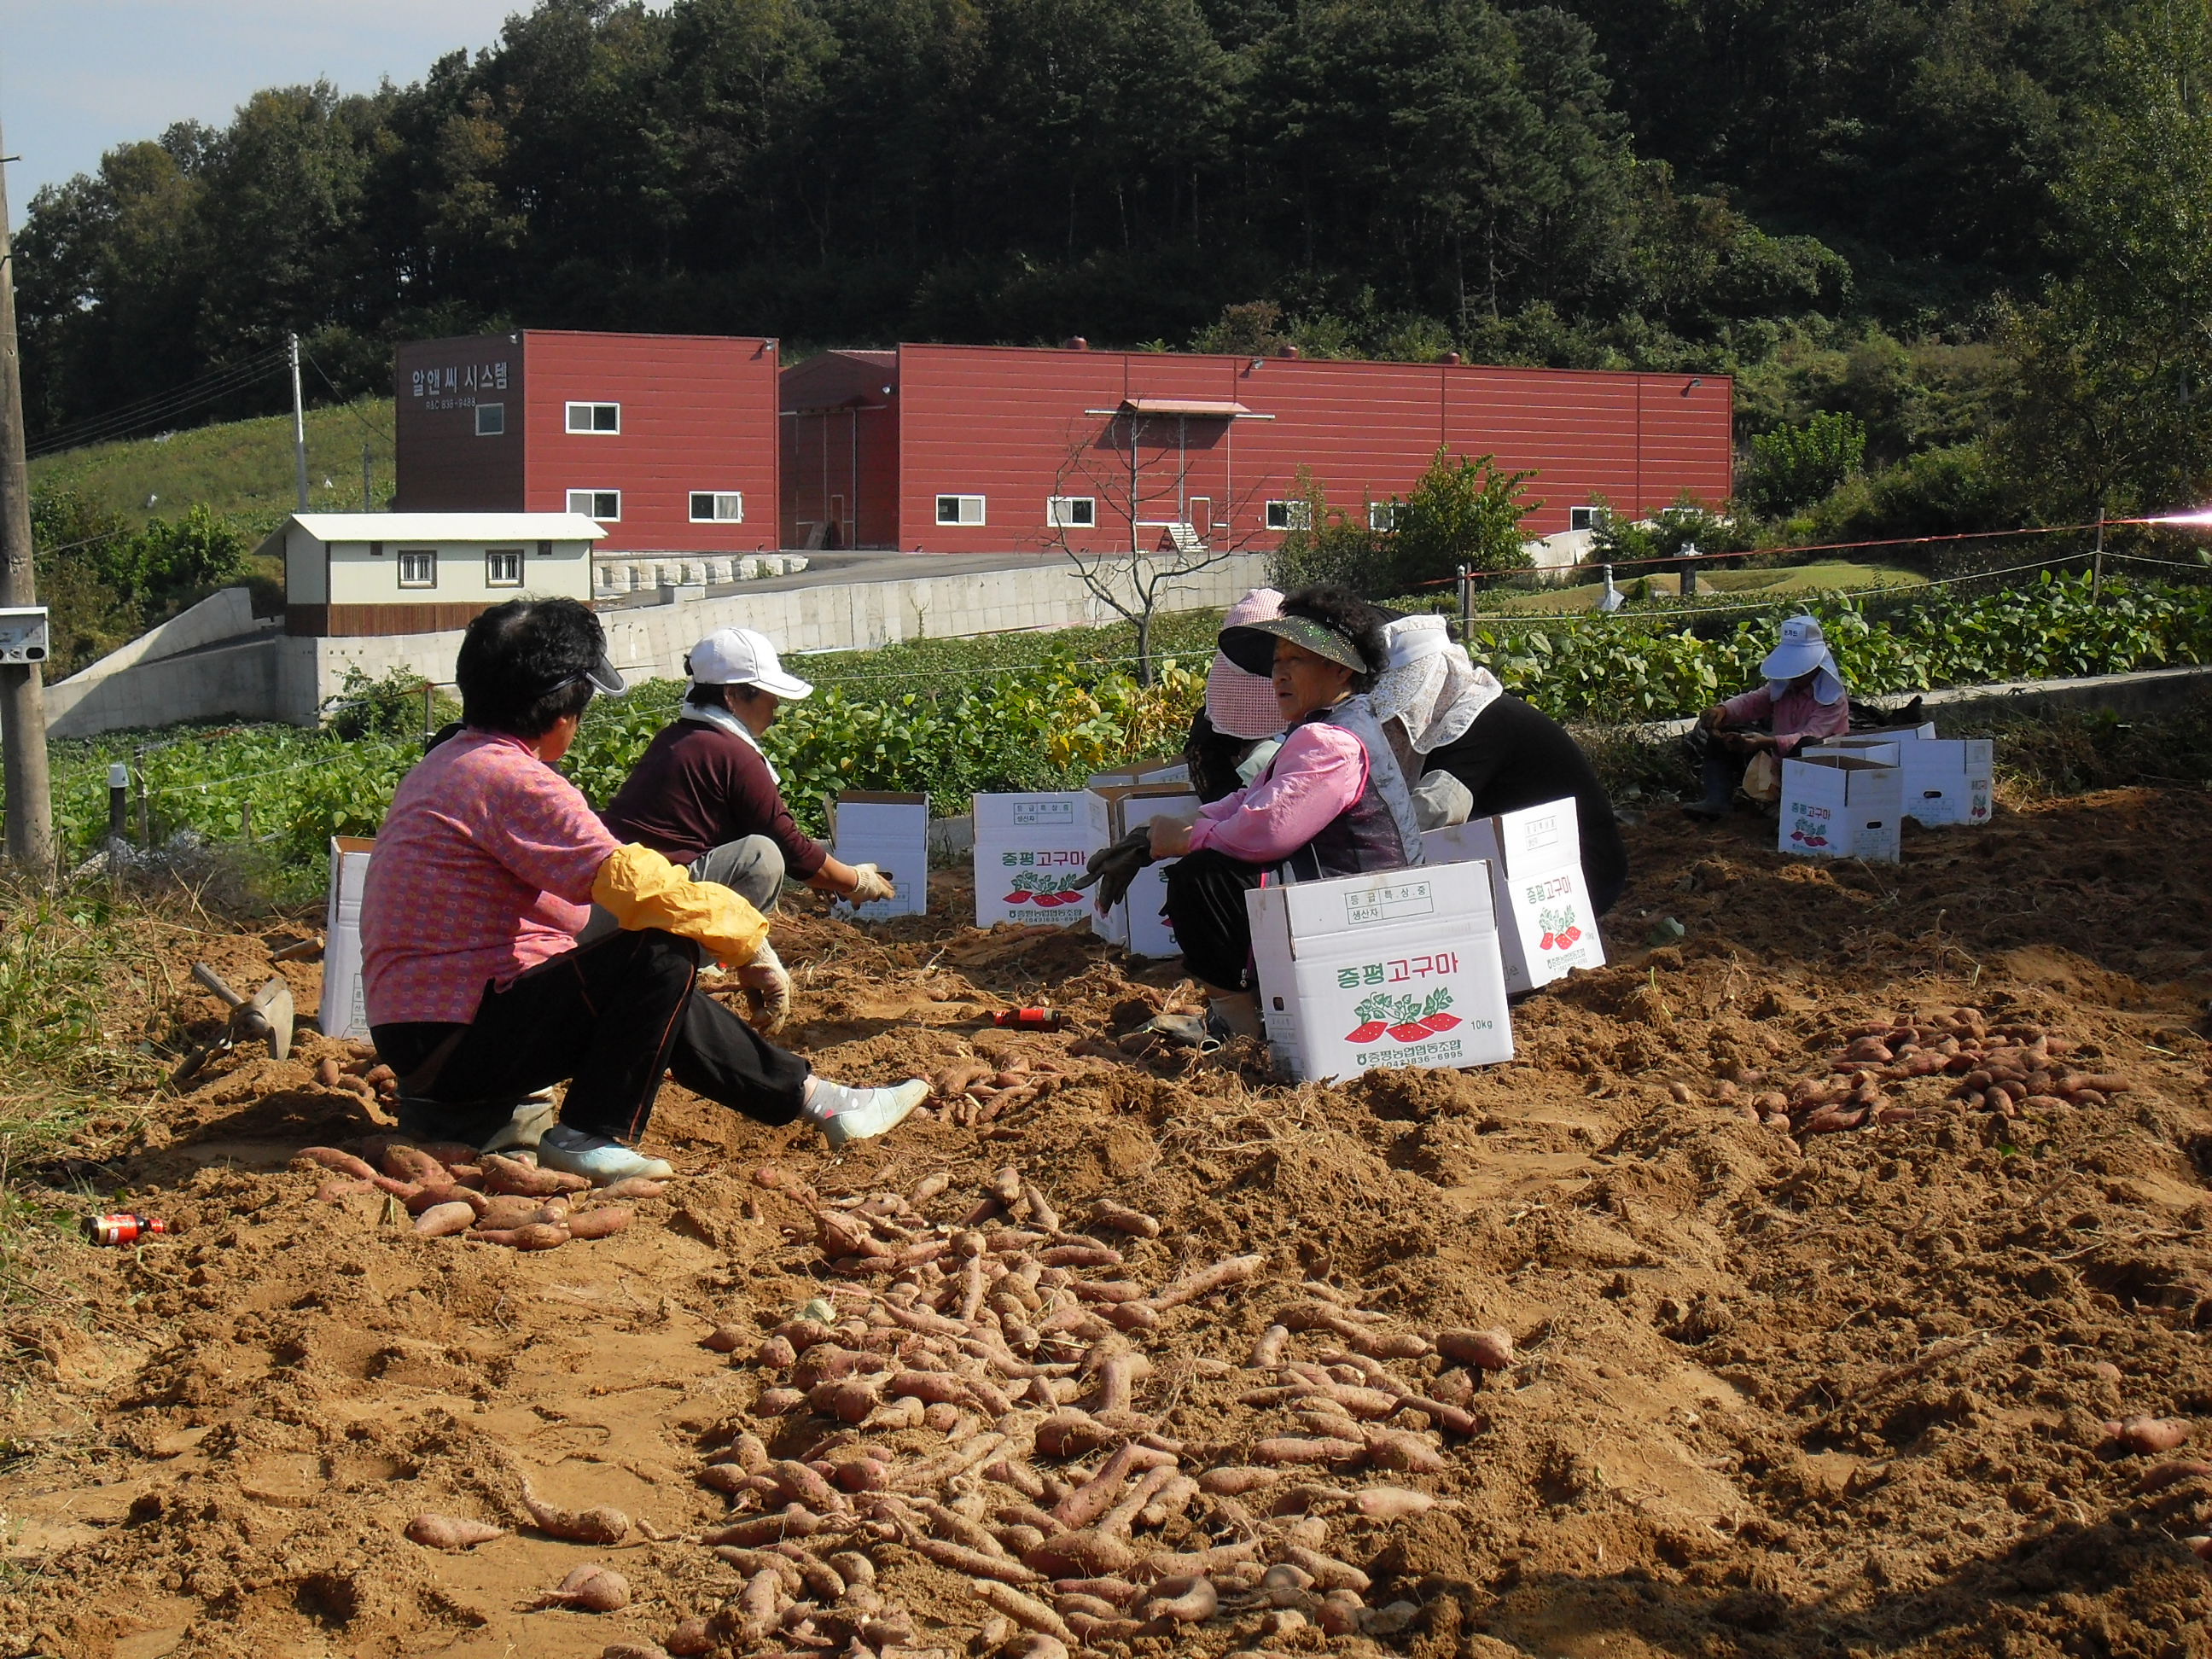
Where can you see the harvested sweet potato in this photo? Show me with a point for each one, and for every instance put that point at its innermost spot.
(2149, 1434)
(442, 1219)
(451, 1532)
(591, 1587)
(329, 1158)
(507, 1175)
(602, 1526)
(1491, 1350)
(602, 1223)
(326, 1072)
(635, 1186)
(538, 1235)
(404, 1162)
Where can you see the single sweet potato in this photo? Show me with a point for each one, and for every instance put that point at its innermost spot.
(538, 1235)
(329, 1158)
(442, 1219)
(602, 1526)
(591, 1587)
(507, 1175)
(602, 1223)
(451, 1532)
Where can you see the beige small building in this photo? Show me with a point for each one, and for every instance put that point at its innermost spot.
(350, 575)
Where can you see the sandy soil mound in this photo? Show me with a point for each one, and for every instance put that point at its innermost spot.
(1768, 1388)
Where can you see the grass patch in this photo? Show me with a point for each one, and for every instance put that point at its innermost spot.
(1773, 582)
(241, 468)
(2073, 751)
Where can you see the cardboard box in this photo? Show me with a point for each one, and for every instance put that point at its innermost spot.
(1394, 969)
(1167, 768)
(1839, 806)
(1029, 851)
(890, 831)
(1545, 922)
(1948, 781)
(1136, 923)
(343, 1014)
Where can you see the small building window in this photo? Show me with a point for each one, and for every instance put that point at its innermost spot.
(718, 507)
(1381, 515)
(605, 505)
(418, 567)
(1071, 512)
(1585, 518)
(595, 418)
(960, 509)
(491, 419)
(503, 567)
(1289, 515)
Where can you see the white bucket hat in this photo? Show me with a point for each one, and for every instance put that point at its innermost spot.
(739, 656)
(1428, 684)
(1804, 649)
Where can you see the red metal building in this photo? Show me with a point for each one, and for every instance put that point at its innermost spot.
(935, 448)
(668, 440)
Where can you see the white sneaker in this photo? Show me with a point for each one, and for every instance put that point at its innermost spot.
(848, 1115)
(598, 1160)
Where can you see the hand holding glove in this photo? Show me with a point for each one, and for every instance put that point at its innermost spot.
(869, 884)
(1113, 868)
(767, 990)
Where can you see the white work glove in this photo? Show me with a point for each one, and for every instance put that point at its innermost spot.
(869, 884)
(767, 990)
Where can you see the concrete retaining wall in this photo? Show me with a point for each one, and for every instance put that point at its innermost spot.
(212, 659)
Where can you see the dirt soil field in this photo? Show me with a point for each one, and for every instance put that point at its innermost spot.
(1771, 1391)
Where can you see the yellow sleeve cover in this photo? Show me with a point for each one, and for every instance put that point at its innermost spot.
(644, 890)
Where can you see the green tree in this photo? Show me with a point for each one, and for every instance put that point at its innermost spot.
(2114, 364)
(1325, 544)
(1794, 466)
(1463, 512)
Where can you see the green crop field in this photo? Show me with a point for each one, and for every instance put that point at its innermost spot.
(1771, 582)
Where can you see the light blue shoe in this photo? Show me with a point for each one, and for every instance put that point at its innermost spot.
(848, 1115)
(598, 1160)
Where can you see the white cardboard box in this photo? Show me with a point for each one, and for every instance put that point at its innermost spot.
(342, 1013)
(1839, 806)
(1399, 969)
(1546, 924)
(1137, 923)
(1029, 851)
(890, 831)
(1948, 781)
(1171, 769)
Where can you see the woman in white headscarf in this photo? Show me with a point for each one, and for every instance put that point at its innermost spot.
(1478, 751)
(1802, 701)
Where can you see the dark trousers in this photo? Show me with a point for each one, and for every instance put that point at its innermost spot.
(1205, 907)
(611, 1018)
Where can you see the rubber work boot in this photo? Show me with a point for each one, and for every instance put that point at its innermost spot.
(846, 1115)
(533, 1115)
(601, 1161)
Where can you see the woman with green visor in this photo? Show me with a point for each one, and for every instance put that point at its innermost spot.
(1333, 801)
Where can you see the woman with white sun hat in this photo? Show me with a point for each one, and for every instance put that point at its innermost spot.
(1803, 699)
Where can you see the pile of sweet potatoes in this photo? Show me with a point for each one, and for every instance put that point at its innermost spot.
(451, 1188)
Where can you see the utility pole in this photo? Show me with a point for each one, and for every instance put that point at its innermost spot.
(22, 693)
(2097, 563)
(299, 427)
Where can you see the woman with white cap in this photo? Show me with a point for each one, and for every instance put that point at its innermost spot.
(478, 992)
(705, 794)
(1803, 699)
(1234, 734)
(1462, 734)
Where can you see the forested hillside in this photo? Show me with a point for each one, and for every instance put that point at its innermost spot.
(1961, 227)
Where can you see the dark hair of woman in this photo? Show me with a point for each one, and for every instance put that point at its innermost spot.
(524, 666)
(1343, 612)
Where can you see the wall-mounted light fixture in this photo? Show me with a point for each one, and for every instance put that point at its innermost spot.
(1692, 386)
(1254, 364)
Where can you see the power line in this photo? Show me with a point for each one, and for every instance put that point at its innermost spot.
(158, 406)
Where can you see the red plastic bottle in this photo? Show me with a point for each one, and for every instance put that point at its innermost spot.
(1030, 1019)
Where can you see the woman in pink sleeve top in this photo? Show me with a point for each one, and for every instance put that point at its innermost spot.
(1332, 802)
(1803, 701)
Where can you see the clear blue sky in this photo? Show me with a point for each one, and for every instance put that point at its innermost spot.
(80, 77)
